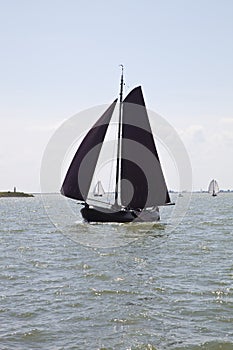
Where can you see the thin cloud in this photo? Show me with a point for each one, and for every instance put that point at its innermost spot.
(226, 121)
(194, 134)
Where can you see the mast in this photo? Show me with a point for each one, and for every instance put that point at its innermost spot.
(119, 138)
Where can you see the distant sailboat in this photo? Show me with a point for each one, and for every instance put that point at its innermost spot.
(213, 188)
(98, 190)
(140, 186)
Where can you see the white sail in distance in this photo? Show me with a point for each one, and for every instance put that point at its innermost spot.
(99, 190)
(213, 187)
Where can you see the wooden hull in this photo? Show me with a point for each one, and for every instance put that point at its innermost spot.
(95, 214)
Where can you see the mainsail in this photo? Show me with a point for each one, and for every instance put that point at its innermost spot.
(142, 181)
(79, 175)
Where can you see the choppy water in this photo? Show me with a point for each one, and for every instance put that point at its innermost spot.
(151, 288)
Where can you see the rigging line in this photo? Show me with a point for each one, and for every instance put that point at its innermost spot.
(112, 164)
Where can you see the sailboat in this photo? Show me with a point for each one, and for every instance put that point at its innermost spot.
(99, 190)
(213, 188)
(140, 187)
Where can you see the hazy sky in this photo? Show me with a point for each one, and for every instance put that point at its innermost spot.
(59, 57)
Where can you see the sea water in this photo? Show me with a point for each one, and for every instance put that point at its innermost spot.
(69, 285)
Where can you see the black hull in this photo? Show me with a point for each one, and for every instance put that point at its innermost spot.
(122, 216)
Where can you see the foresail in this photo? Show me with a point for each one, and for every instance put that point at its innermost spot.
(211, 186)
(142, 180)
(79, 175)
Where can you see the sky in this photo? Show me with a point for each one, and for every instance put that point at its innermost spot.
(59, 57)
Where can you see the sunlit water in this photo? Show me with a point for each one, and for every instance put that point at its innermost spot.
(131, 286)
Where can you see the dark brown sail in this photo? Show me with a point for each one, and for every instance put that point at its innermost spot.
(142, 180)
(79, 175)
